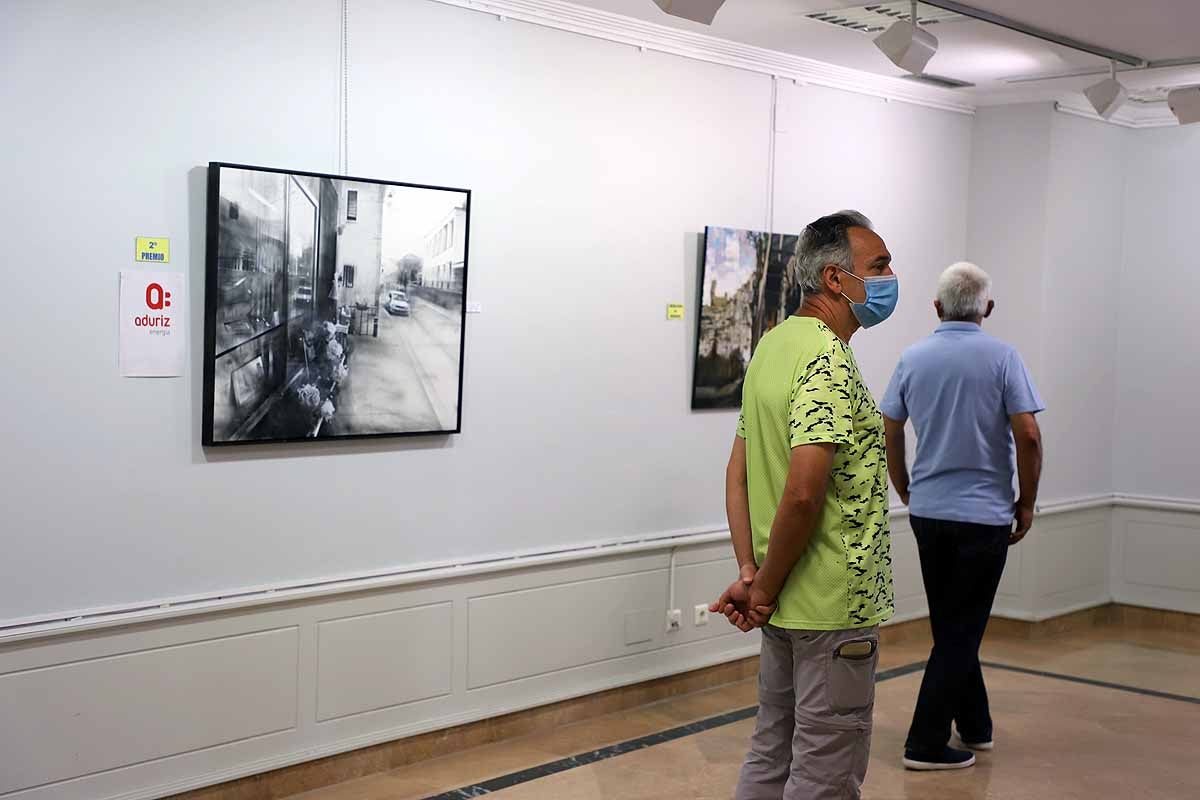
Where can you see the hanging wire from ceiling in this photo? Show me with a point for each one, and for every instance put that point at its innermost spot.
(343, 167)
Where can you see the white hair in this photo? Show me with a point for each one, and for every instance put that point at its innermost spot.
(964, 291)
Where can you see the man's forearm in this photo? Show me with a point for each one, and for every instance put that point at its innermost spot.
(790, 534)
(897, 457)
(1029, 471)
(898, 469)
(737, 512)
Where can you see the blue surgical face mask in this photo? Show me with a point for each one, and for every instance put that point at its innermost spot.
(882, 293)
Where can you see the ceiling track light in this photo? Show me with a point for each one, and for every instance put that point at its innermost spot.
(1107, 95)
(702, 11)
(1184, 103)
(906, 45)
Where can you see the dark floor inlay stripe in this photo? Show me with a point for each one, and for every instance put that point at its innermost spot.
(583, 759)
(899, 672)
(1121, 687)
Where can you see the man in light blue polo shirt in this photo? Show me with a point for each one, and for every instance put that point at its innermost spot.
(972, 404)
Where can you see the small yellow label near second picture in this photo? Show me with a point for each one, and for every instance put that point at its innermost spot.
(153, 248)
(674, 310)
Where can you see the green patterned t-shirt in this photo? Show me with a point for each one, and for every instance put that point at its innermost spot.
(803, 387)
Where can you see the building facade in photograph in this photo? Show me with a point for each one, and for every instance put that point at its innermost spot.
(445, 252)
(360, 244)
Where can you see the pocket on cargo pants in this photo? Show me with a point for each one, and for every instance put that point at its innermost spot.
(852, 674)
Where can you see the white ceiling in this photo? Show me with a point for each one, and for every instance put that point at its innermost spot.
(996, 59)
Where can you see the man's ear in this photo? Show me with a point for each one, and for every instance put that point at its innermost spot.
(832, 277)
(937, 305)
(991, 306)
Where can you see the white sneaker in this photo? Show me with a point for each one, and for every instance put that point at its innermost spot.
(981, 747)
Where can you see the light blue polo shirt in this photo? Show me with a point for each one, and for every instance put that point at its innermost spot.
(960, 386)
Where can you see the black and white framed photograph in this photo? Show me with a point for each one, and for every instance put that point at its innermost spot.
(334, 306)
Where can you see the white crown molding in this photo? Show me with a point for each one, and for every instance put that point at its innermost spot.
(1130, 115)
(704, 47)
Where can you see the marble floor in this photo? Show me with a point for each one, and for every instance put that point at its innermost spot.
(1107, 712)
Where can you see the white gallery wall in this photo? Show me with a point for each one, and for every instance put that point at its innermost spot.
(595, 167)
(1156, 429)
(1158, 350)
(1039, 218)
(1084, 235)
(1047, 198)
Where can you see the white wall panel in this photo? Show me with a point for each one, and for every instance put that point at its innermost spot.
(531, 632)
(1011, 588)
(75, 719)
(1155, 558)
(373, 661)
(1071, 564)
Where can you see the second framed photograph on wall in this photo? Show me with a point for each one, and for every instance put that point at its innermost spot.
(334, 306)
(746, 289)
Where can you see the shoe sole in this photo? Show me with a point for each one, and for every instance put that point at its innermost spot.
(936, 766)
(980, 747)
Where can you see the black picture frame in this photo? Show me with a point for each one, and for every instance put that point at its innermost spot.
(767, 297)
(212, 303)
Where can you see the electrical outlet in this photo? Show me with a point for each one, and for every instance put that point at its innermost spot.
(674, 620)
(701, 615)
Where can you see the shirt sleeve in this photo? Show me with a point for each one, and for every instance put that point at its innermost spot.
(1020, 395)
(822, 402)
(741, 426)
(893, 404)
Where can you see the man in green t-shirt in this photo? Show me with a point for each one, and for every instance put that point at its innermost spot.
(807, 501)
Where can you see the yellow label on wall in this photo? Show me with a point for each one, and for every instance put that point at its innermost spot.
(151, 248)
(674, 310)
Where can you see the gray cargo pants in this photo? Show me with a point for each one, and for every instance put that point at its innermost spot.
(816, 694)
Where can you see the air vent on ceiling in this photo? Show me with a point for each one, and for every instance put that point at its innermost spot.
(878, 17)
(1156, 94)
(938, 80)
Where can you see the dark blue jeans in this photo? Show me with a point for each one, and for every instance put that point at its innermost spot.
(961, 564)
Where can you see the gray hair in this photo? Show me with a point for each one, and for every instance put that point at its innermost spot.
(825, 241)
(964, 291)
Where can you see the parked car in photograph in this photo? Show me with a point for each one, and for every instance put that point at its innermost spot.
(397, 303)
